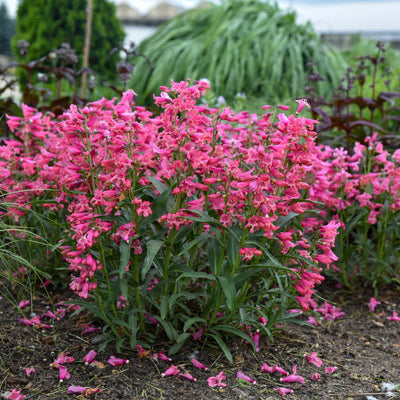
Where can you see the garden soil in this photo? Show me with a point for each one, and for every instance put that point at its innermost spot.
(364, 346)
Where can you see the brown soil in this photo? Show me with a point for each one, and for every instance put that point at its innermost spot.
(364, 346)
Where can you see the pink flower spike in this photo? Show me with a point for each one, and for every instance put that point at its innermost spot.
(187, 376)
(394, 317)
(76, 390)
(314, 359)
(24, 303)
(29, 371)
(198, 364)
(172, 370)
(283, 391)
(89, 357)
(244, 377)
(315, 377)
(117, 361)
(64, 374)
(16, 395)
(330, 370)
(373, 303)
(266, 368)
(293, 378)
(214, 381)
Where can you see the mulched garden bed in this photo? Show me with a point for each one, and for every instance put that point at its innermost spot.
(364, 346)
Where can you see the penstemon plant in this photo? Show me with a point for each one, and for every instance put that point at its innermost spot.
(362, 189)
(194, 223)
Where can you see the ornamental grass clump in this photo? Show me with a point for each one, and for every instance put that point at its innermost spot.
(241, 46)
(192, 224)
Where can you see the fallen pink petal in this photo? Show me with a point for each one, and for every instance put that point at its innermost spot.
(187, 376)
(283, 391)
(163, 357)
(372, 304)
(330, 370)
(117, 361)
(293, 377)
(24, 303)
(16, 395)
(216, 381)
(313, 359)
(279, 370)
(64, 373)
(76, 390)
(29, 371)
(312, 321)
(394, 317)
(244, 377)
(198, 364)
(266, 368)
(172, 370)
(315, 377)
(89, 357)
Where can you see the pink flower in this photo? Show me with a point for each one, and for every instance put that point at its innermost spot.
(62, 359)
(373, 304)
(272, 370)
(172, 370)
(198, 364)
(314, 359)
(241, 375)
(312, 321)
(24, 303)
(89, 357)
(161, 356)
(214, 381)
(64, 374)
(394, 317)
(330, 370)
(315, 377)
(90, 329)
(187, 376)
(302, 104)
(283, 391)
(76, 390)
(16, 395)
(293, 378)
(29, 371)
(117, 361)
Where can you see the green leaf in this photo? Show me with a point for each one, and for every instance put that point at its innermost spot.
(235, 332)
(158, 185)
(164, 306)
(153, 246)
(223, 346)
(228, 286)
(191, 321)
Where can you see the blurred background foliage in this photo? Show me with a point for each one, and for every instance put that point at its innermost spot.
(249, 47)
(45, 25)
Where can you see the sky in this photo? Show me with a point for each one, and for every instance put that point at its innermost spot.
(325, 15)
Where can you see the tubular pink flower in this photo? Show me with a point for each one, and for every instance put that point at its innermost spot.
(394, 317)
(76, 390)
(216, 381)
(172, 370)
(198, 364)
(24, 303)
(89, 357)
(244, 377)
(330, 370)
(29, 371)
(373, 303)
(161, 356)
(16, 395)
(283, 391)
(266, 368)
(293, 377)
(187, 376)
(315, 377)
(117, 361)
(312, 321)
(313, 359)
(63, 371)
